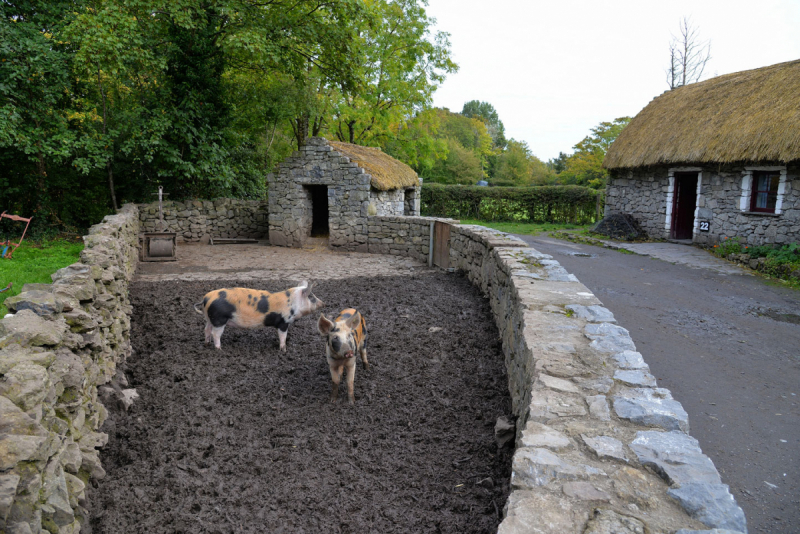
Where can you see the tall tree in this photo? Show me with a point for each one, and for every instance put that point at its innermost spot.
(484, 111)
(402, 65)
(688, 56)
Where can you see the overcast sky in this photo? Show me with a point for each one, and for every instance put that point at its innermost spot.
(553, 70)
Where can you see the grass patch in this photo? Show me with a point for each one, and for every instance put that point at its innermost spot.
(524, 228)
(34, 263)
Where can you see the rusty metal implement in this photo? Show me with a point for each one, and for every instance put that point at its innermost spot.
(8, 244)
(161, 245)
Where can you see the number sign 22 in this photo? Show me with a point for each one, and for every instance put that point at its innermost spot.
(704, 226)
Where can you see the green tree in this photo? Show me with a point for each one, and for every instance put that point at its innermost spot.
(585, 166)
(35, 89)
(485, 112)
(517, 166)
(401, 67)
(461, 166)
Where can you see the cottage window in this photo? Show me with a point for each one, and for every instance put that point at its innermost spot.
(764, 195)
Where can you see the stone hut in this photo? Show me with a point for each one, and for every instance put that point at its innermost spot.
(329, 189)
(714, 160)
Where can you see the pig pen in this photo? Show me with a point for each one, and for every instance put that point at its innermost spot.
(244, 439)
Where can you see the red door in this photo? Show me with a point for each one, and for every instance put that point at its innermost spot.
(683, 205)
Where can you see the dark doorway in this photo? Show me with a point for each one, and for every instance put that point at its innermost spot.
(319, 210)
(683, 205)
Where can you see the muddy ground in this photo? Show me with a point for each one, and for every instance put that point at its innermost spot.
(728, 347)
(245, 440)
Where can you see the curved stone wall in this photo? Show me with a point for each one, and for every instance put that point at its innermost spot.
(61, 342)
(600, 447)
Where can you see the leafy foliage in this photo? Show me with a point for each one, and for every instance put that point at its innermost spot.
(585, 165)
(562, 204)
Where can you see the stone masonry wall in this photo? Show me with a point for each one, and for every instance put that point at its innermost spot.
(401, 236)
(600, 448)
(644, 193)
(223, 217)
(62, 342)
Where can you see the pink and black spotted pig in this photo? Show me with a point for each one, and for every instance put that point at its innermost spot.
(251, 308)
(346, 335)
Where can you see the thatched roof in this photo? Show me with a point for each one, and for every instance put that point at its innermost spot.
(387, 173)
(749, 116)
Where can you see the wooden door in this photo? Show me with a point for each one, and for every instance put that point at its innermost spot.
(441, 245)
(683, 205)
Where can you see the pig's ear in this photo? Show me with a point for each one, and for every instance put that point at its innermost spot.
(324, 325)
(306, 288)
(354, 320)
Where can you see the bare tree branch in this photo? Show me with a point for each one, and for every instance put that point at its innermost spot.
(688, 56)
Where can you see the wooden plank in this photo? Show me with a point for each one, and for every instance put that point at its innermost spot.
(441, 245)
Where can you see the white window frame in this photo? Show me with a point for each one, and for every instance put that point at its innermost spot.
(671, 197)
(747, 188)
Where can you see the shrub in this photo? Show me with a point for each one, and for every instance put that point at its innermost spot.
(562, 204)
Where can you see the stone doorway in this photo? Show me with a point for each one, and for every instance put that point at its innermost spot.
(319, 210)
(684, 205)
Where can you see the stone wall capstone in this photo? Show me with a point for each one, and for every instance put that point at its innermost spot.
(221, 217)
(62, 342)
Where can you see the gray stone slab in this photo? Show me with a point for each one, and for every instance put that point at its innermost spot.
(593, 314)
(558, 384)
(651, 407)
(532, 467)
(711, 504)
(605, 447)
(629, 359)
(675, 456)
(611, 522)
(543, 513)
(635, 378)
(547, 405)
(598, 407)
(584, 491)
(538, 435)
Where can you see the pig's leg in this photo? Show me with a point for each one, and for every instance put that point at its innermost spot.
(364, 357)
(336, 377)
(216, 333)
(208, 332)
(351, 375)
(283, 331)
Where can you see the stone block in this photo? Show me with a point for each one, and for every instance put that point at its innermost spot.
(652, 407)
(542, 513)
(542, 436)
(675, 456)
(28, 329)
(605, 447)
(711, 504)
(532, 467)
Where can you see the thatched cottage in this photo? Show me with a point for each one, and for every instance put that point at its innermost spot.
(328, 189)
(713, 160)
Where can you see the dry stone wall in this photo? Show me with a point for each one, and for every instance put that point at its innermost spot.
(600, 447)
(401, 236)
(222, 217)
(58, 347)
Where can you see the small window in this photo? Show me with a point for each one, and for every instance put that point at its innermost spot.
(765, 191)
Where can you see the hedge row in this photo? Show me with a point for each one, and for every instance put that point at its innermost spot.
(554, 204)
